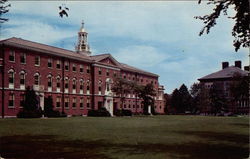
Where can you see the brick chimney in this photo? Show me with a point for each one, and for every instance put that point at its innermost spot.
(225, 65)
(246, 68)
(237, 64)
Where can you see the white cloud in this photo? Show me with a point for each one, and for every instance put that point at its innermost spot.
(140, 56)
(35, 30)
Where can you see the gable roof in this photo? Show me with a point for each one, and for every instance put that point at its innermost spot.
(134, 69)
(99, 58)
(228, 72)
(34, 46)
(51, 50)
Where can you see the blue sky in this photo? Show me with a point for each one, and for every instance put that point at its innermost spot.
(160, 37)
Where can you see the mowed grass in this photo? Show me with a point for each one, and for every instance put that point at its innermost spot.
(154, 137)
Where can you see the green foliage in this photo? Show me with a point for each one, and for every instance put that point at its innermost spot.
(121, 87)
(217, 99)
(240, 87)
(48, 108)
(147, 93)
(240, 30)
(181, 100)
(102, 112)
(31, 107)
(3, 9)
(123, 112)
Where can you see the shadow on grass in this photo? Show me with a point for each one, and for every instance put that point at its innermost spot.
(48, 147)
(218, 136)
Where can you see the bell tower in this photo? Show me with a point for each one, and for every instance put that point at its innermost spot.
(82, 45)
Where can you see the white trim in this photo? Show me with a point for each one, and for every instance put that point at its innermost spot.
(109, 67)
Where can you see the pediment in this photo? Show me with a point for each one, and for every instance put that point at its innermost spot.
(109, 61)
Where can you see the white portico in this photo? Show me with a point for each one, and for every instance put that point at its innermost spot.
(108, 99)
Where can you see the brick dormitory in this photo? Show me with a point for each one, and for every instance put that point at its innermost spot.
(76, 80)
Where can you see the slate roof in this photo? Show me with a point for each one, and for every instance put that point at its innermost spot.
(47, 49)
(228, 72)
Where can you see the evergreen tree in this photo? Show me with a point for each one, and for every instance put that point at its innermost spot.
(185, 98)
(48, 105)
(31, 100)
(176, 101)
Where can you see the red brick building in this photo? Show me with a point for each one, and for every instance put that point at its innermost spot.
(76, 80)
(223, 79)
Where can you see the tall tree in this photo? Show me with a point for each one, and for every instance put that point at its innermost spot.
(185, 98)
(176, 101)
(48, 105)
(31, 100)
(121, 88)
(4, 8)
(239, 88)
(241, 29)
(217, 99)
(147, 93)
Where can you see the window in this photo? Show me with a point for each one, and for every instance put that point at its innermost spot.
(114, 74)
(107, 72)
(22, 99)
(142, 80)
(88, 69)
(88, 104)
(58, 64)
(37, 60)
(12, 56)
(11, 77)
(81, 103)
(50, 62)
(74, 83)
(100, 71)
(58, 102)
(74, 68)
(66, 102)
(66, 66)
(81, 85)
(22, 78)
(88, 88)
(100, 88)
(58, 83)
(74, 103)
(81, 68)
(11, 100)
(66, 83)
(36, 79)
(50, 81)
(22, 58)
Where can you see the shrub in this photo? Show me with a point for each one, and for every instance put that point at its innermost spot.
(123, 112)
(102, 112)
(30, 114)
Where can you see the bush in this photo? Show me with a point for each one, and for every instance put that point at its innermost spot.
(30, 114)
(102, 112)
(123, 112)
(55, 114)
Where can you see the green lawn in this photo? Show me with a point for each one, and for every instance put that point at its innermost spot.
(156, 137)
